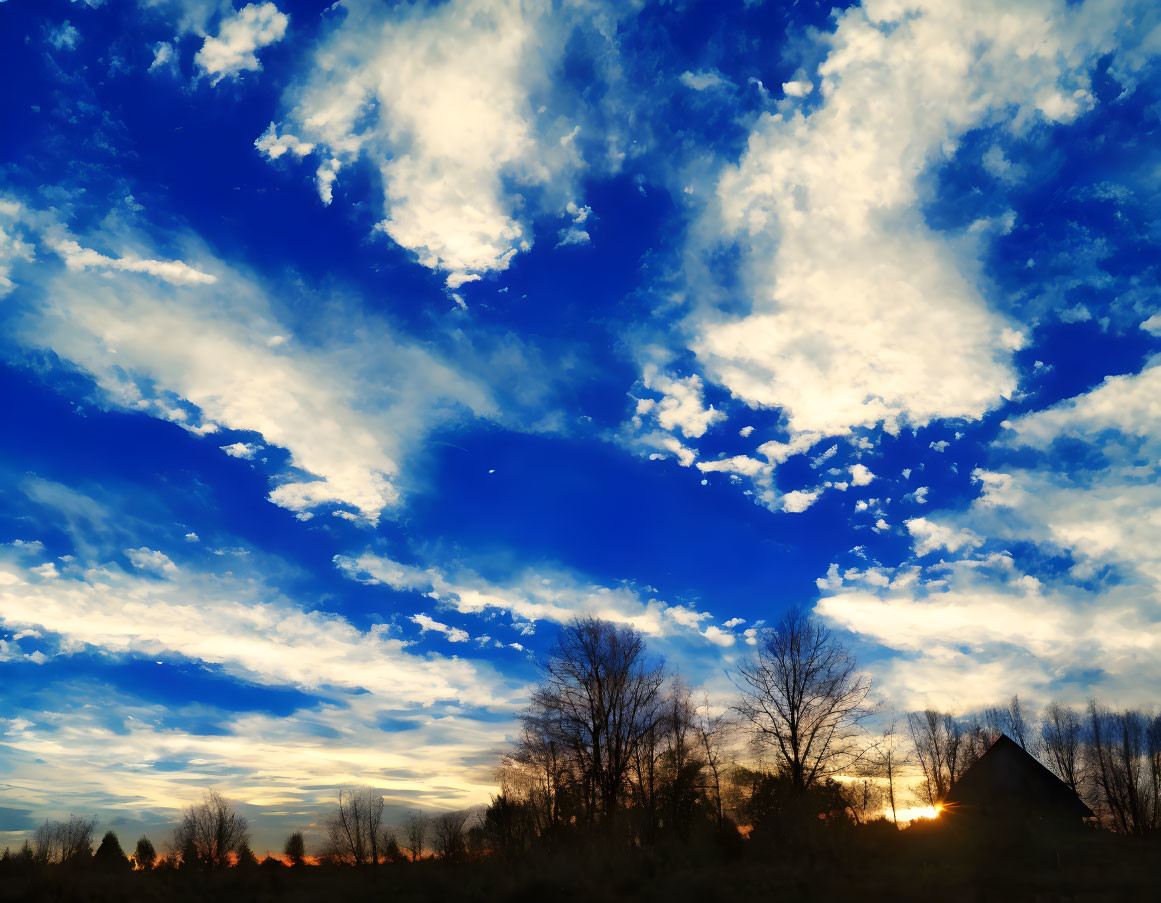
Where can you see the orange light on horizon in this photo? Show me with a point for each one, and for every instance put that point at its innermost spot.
(914, 813)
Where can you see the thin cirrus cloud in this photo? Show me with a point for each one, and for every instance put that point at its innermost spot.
(534, 596)
(206, 350)
(245, 627)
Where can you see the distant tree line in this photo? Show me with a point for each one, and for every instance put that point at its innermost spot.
(616, 749)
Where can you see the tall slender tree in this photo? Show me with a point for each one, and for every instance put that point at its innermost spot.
(804, 696)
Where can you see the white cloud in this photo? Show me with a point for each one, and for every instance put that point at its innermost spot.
(13, 247)
(245, 450)
(930, 536)
(274, 145)
(76, 257)
(440, 99)
(576, 234)
(164, 58)
(425, 623)
(239, 624)
(533, 596)
(1130, 404)
(1005, 629)
(151, 560)
(860, 313)
(682, 404)
(799, 500)
(199, 352)
(797, 88)
(860, 475)
(64, 36)
(705, 80)
(253, 27)
(739, 464)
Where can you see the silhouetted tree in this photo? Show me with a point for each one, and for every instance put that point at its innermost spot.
(508, 824)
(541, 772)
(449, 835)
(355, 828)
(109, 854)
(886, 759)
(392, 852)
(945, 748)
(415, 828)
(865, 799)
(295, 848)
(213, 830)
(244, 856)
(65, 842)
(186, 856)
(1119, 750)
(1062, 740)
(714, 736)
(144, 856)
(597, 700)
(681, 759)
(1013, 721)
(804, 696)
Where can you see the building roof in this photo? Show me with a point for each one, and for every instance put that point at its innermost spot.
(1006, 780)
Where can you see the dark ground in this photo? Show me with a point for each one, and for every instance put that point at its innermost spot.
(870, 863)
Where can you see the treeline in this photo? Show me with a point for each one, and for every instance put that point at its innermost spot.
(1110, 759)
(617, 752)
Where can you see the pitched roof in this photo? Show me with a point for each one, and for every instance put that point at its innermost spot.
(1007, 780)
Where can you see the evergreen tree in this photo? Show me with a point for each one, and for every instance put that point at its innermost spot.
(109, 855)
(144, 855)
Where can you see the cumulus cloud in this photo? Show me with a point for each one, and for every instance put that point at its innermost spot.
(253, 27)
(245, 450)
(798, 500)
(447, 101)
(930, 536)
(575, 234)
(151, 560)
(273, 145)
(681, 406)
(859, 313)
(797, 88)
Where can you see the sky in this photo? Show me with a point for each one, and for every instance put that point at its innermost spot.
(348, 350)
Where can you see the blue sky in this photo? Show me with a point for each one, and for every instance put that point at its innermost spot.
(349, 349)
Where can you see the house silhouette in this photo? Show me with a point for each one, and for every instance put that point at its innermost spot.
(1008, 783)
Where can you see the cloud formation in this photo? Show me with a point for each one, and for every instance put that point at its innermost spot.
(207, 350)
(858, 312)
(232, 51)
(452, 104)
